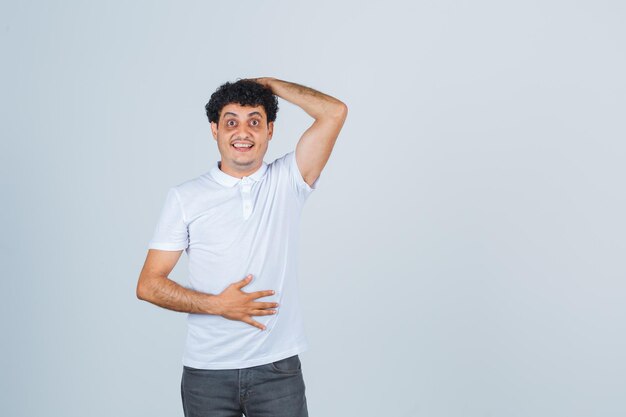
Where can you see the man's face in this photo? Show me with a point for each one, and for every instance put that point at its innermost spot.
(242, 125)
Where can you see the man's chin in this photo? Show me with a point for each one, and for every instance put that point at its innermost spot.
(244, 161)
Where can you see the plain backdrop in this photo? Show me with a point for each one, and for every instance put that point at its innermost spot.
(463, 255)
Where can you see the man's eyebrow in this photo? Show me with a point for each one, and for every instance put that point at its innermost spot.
(254, 113)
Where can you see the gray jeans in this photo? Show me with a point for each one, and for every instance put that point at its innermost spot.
(275, 389)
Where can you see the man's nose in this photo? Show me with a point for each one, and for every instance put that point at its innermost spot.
(243, 131)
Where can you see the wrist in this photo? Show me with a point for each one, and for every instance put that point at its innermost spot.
(212, 305)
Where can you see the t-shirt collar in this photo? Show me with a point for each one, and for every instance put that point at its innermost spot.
(228, 181)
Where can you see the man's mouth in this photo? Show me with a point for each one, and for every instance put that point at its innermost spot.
(242, 147)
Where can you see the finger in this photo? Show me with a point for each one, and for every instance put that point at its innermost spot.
(263, 312)
(253, 323)
(257, 305)
(243, 282)
(259, 294)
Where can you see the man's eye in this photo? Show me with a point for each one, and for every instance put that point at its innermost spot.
(230, 123)
(254, 123)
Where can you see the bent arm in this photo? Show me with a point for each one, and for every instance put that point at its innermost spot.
(316, 144)
(155, 287)
(317, 104)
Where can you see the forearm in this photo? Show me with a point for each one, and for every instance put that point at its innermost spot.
(164, 292)
(318, 105)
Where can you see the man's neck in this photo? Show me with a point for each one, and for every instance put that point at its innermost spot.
(238, 173)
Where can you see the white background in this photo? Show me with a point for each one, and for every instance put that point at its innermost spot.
(463, 255)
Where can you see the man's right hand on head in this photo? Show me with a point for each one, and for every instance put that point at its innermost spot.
(235, 304)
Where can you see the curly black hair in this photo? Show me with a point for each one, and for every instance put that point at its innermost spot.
(245, 93)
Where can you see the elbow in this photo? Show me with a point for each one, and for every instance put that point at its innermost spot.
(334, 110)
(141, 291)
(344, 107)
(341, 111)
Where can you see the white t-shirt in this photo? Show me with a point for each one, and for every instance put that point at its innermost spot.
(230, 228)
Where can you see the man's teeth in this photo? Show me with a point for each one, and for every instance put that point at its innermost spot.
(241, 145)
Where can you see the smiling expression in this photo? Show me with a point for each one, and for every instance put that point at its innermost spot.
(242, 136)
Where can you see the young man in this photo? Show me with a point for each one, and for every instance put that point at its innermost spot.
(238, 223)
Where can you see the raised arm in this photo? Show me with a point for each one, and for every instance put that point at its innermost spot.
(316, 144)
(155, 287)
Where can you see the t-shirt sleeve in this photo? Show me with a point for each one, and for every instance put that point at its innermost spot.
(171, 232)
(303, 190)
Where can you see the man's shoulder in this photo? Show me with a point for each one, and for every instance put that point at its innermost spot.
(282, 161)
(193, 186)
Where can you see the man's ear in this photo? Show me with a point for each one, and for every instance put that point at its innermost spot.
(214, 130)
(270, 130)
